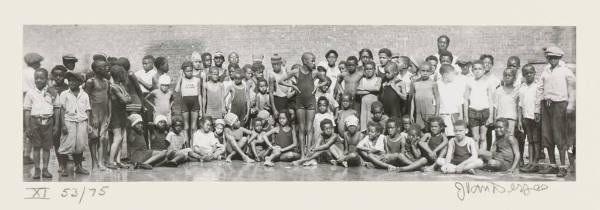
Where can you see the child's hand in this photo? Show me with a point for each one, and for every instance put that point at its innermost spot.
(520, 125)
(296, 89)
(433, 155)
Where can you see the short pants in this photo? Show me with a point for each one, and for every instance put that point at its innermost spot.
(532, 130)
(478, 117)
(190, 104)
(304, 102)
(41, 132)
(283, 103)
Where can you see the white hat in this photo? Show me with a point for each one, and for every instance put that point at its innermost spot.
(196, 56)
(164, 80)
(553, 51)
(134, 119)
(159, 118)
(351, 120)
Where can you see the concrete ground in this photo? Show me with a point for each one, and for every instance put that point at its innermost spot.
(240, 171)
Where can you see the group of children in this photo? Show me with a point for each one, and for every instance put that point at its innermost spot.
(396, 115)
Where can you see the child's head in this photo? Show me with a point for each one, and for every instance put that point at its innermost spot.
(501, 127)
(385, 55)
(219, 59)
(258, 69)
(321, 71)
(322, 105)
(351, 123)
(148, 62)
(283, 118)
(219, 126)
(331, 57)
(161, 122)
(69, 61)
(432, 60)
(508, 76)
(436, 125)
(414, 132)
(404, 63)
(247, 72)
(276, 62)
(342, 66)
(118, 74)
(446, 57)
(425, 70)
(391, 127)
(206, 60)
(161, 64)
(443, 42)
(351, 64)
(448, 72)
(258, 124)
(488, 62)
(478, 69)
(465, 67)
(373, 130)
(233, 58)
(206, 124)
(33, 60)
(237, 77)
(460, 129)
(232, 120)
(164, 81)
(346, 101)
(325, 87)
(308, 60)
(188, 68)
(528, 73)
(369, 69)
(177, 125)
(58, 73)
(136, 122)
(196, 60)
(75, 79)
(213, 74)
(405, 122)
(327, 127)
(232, 67)
(391, 71)
(513, 62)
(40, 78)
(365, 55)
(262, 85)
(377, 110)
(100, 68)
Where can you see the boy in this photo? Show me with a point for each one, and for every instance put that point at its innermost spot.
(235, 141)
(323, 113)
(452, 97)
(504, 155)
(385, 56)
(377, 115)
(33, 62)
(178, 151)
(404, 78)
(325, 91)
(69, 61)
(279, 92)
(434, 144)
(433, 61)
(557, 94)
(98, 89)
(145, 75)
(207, 61)
(328, 143)
(462, 152)
(505, 100)
(372, 148)
(40, 108)
(161, 99)
(393, 93)
(529, 117)
(351, 138)
(480, 99)
(58, 74)
(425, 96)
(206, 146)
(75, 112)
(351, 78)
(58, 78)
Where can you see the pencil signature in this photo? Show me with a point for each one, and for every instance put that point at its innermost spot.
(467, 188)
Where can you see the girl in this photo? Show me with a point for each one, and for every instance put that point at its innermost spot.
(344, 111)
(214, 93)
(235, 142)
(118, 122)
(328, 143)
(163, 98)
(206, 145)
(368, 89)
(425, 103)
(435, 143)
(262, 99)
(178, 149)
(238, 100)
(305, 102)
(190, 88)
(141, 156)
(284, 146)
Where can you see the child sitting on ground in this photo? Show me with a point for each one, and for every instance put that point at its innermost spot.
(285, 144)
(178, 149)
(412, 158)
(344, 111)
(205, 145)
(462, 152)
(434, 144)
(327, 143)
(504, 155)
(256, 138)
(322, 114)
(372, 149)
(394, 143)
(235, 141)
(351, 137)
(141, 156)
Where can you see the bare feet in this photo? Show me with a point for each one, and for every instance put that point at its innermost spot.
(228, 160)
(248, 160)
(427, 169)
(345, 164)
(268, 163)
(393, 168)
(333, 162)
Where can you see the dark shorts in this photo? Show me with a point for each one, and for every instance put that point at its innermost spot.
(283, 103)
(554, 124)
(478, 117)
(190, 104)
(532, 130)
(41, 133)
(306, 102)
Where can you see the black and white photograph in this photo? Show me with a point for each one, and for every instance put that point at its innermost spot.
(326, 103)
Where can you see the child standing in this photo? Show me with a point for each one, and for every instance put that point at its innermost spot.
(368, 89)
(235, 141)
(238, 100)
(480, 98)
(504, 155)
(325, 91)
(75, 112)
(214, 93)
(505, 100)
(206, 146)
(529, 117)
(162, 98)
(262, 98)
(344, 111)
(392, 93)
(377, 115)
(452, 97)
(434, 144)
(284, 147)
(98, 88)
(425, 104)
(119, 98)
(462, 152)
(58, 75)
(190, 88)
(41, 109)
(350, 80)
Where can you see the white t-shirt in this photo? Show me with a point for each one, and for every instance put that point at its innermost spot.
(207, 142)
(367, 143)
(528, 100)
(479, 98)
(28, 79)
(176, 141)
(142, 75)
(452, 95)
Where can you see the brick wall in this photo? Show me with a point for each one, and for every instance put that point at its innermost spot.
(177, 42)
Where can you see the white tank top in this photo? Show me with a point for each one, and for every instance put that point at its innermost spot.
(189, 87)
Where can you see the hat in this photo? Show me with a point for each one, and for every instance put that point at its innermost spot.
(351, 120)
(275, 58)
(196, 56)
(263, 114)
(164, 80)
(257, 57)
(74, 75)
(219, 122)
(31, 58)
(159, 118)
(99, 56)
(230, 118)
(69, 57)
(395, 55)
(134, 119)
(219, 54)
(553, 51)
